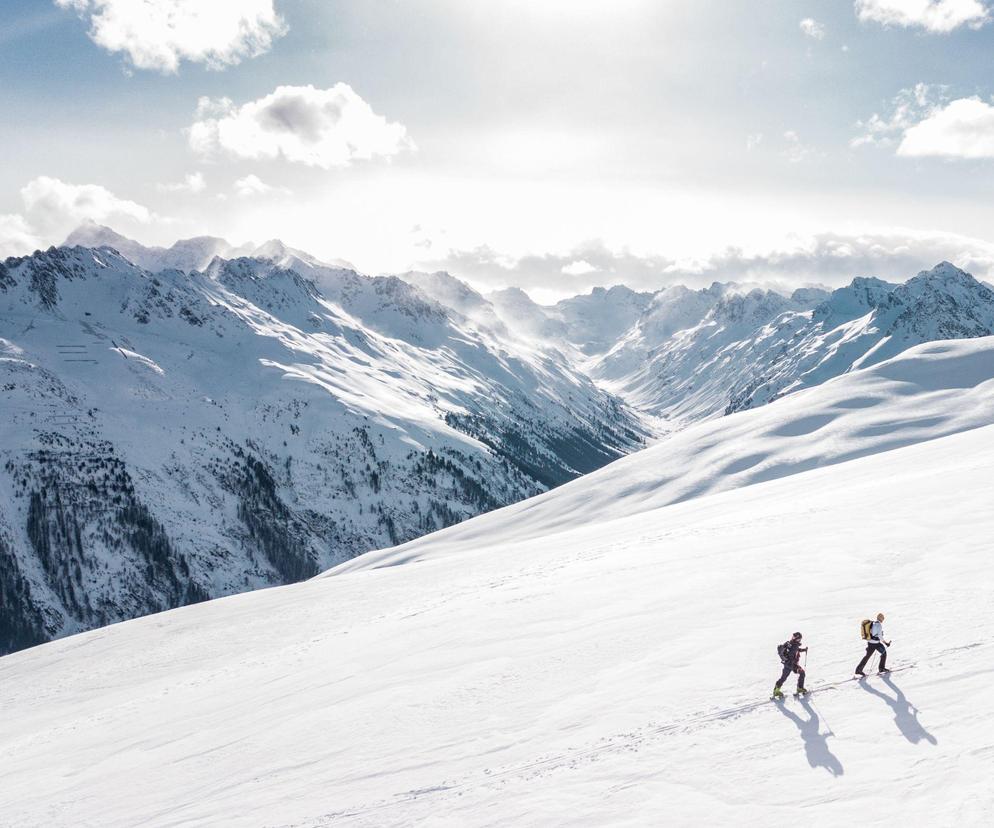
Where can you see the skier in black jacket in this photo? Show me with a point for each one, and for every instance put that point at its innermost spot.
(790, 654)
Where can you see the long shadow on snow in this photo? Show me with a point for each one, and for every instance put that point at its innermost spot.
(905, 713)
(815, 743)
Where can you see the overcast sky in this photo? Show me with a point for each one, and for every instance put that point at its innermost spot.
(553, 144)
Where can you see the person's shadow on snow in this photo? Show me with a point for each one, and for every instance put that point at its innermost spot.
(905, 713)
(815, 743)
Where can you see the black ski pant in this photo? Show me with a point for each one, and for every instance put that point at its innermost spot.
(871, 648)
(787, 670)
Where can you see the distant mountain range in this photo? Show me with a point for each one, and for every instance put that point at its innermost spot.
(188, 422)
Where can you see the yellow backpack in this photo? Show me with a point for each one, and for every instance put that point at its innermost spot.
(865, 629)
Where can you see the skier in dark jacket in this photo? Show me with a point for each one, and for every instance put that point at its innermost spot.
(876, 644)
(790, 654)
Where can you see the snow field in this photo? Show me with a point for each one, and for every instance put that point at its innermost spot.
(587, 677)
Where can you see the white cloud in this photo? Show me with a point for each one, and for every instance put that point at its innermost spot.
(910, 106)
(796, 151)
(826, 258)
(318, 127)
(159, 34)
(191, 183)
(812, 28)
(753, 141)
(963, 128)
(54, 207)
(926, 123)
(579, 267)
(16, 237)
(252, 185)
(939, 16)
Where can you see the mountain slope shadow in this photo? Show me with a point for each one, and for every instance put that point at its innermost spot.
(905, 713)
(815, 742)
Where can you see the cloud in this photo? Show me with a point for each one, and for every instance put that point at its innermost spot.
(963, 128)
(159, 34)
(909, 107)
(826, 258)
(53, 207)
(578, 267)
(191, 183)
(52, 202)
(16, 237)
(926, 123)
(812, 28)
(318, 127)
(252, 185)
(796, 151)
(940, 16)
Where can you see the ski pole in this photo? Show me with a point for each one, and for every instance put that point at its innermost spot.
(831, 731)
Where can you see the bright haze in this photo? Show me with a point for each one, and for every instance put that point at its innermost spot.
(550, 145)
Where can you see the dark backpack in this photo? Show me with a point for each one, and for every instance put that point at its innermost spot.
(783, 650)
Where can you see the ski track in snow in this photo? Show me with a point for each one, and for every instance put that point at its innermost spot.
(630, 742)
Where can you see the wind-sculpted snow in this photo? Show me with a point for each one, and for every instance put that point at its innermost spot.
(927, 392)
(612, 671)
(179, 435)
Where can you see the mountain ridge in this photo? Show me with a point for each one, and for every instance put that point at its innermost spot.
(180, 435)
(313, 412)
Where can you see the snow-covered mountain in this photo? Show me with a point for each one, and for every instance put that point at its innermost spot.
(198, 420)
(173, 436)
(613, 671)
(596, 321)
(696, 354)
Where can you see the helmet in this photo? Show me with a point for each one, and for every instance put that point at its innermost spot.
(796, 635)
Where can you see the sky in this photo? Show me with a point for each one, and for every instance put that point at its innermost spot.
(549, 144)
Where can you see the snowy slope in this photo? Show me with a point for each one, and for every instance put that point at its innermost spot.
(616, 673)
(927, 392)
(174, 436)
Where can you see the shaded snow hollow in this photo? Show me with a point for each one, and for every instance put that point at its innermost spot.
(612, 672)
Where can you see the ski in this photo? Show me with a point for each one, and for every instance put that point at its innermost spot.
(866, 676)
(837, 684)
